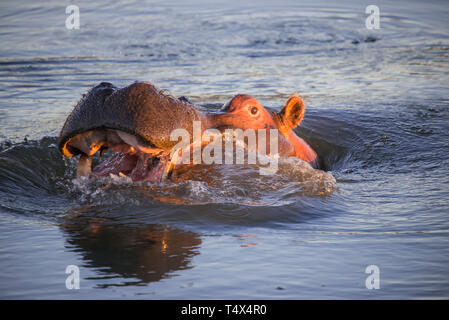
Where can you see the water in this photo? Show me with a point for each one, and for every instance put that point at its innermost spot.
(378, 114)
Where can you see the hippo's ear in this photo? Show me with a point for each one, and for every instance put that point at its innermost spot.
(293, 112)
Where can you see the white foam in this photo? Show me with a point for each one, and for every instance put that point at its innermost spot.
(224, 184)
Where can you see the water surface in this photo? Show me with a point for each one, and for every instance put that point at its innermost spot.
(378, 115)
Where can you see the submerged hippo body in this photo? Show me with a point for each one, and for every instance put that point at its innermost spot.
(136, 122)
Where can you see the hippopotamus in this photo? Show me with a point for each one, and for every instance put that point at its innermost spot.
(136, 123)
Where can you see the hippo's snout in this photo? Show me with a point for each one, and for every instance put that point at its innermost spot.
(135, 121)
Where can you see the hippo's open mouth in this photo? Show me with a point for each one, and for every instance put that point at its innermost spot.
(131, 156)
(134, 122)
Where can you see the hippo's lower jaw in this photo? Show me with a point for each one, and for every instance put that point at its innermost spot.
(137, 166)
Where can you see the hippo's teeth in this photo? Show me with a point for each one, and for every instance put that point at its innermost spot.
(102, 151)
(122, 175)
(84, 166)
(168, 168)
(171, 164)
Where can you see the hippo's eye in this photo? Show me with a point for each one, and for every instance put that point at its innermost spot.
(254, 110)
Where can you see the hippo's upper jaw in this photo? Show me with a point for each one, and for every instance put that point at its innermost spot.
(135, 122)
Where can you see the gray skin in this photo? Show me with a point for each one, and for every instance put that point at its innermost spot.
(138, 109)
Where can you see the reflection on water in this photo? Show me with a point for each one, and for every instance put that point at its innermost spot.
(146, 252)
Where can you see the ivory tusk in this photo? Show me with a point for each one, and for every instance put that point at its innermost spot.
(84, 166)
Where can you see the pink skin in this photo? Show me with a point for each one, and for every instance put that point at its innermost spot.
(139, 167)
(245, 112)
